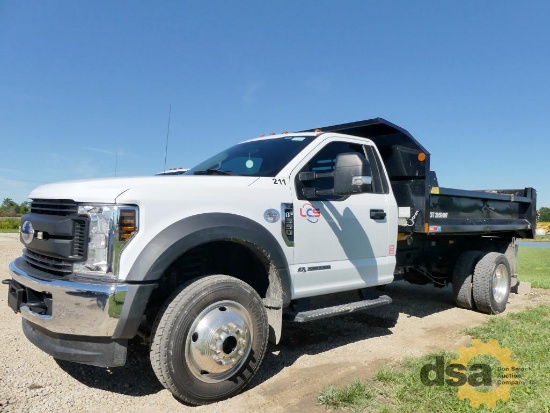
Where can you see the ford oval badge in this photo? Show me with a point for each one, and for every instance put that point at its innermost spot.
(27, 232)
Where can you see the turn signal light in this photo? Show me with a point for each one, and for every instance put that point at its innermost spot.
(127, 224)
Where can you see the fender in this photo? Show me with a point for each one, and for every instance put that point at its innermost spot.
(193, 231)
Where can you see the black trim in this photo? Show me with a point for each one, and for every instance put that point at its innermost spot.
(96, 351)
(133, 310)
(380, 182)
(196, 230)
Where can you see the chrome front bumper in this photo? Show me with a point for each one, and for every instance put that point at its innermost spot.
(72, 320)
(81, 308)
(77, 308)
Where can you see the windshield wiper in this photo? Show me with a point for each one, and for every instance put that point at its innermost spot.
(212, 172)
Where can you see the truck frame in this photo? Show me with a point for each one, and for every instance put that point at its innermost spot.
(295, 227)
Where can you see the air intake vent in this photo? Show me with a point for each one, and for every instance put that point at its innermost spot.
(55, 266)
(79, 240)
(60, 207)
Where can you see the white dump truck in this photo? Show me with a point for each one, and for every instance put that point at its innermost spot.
(209, 264)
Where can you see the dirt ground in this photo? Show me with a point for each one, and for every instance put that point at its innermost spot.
(310, 356)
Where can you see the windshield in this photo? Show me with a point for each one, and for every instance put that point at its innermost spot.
(264, 157)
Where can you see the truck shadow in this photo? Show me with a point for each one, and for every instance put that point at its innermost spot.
(317, 337)
(137, 378)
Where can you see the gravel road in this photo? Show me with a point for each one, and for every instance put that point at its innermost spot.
(310, 357)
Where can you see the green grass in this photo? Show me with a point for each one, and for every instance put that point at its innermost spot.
(538, 238)
(8, 231)
(356, 396)
(400, 390)
(534, 266)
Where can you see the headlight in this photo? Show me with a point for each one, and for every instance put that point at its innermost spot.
(110, 228)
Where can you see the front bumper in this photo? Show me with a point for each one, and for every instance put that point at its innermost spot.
(62, 316)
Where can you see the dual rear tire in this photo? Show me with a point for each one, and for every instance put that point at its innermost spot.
(482, 281)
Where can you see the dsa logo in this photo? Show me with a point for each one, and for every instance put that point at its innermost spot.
(310, 212)
(472, 378)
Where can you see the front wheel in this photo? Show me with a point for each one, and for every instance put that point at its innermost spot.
(209, 339)
(491, 283)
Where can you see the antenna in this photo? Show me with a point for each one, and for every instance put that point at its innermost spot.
(167, 134)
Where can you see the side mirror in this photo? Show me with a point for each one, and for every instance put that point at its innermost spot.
(352, 173)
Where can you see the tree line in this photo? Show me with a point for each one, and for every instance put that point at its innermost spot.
(544, 214)
(10, 208)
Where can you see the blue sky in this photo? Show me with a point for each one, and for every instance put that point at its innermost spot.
(83, 81)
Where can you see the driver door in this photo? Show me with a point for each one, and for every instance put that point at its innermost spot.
(342, 242)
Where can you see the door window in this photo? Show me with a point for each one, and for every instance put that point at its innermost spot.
(324, 161)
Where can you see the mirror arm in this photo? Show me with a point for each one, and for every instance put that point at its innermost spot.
(314, 192)
(312, 176)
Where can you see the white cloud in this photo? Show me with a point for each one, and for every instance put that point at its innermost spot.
(16, 189)
(110, 153)
(251, 91)
(104, 151)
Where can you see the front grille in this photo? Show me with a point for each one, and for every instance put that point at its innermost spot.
(55, 266)
(59, 207)
(56, 224)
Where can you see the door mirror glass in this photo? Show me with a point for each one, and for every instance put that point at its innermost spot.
(352, 174)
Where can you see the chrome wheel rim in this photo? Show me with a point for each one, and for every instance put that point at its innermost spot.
(219, 341)
(500, 283)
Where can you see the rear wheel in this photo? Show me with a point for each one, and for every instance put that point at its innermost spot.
(491, 283)
(209, 339)
(462, 278)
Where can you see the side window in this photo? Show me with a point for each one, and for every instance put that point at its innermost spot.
(324, 161)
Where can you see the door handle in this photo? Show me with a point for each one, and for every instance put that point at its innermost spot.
(377, 214)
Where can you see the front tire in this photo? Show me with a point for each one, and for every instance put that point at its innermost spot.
(209, 339)
(491, 285)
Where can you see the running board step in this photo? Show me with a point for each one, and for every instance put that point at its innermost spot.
(326, 312)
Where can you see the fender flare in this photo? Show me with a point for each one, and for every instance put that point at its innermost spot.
(193, 231)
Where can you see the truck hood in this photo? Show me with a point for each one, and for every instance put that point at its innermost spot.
(109, 189)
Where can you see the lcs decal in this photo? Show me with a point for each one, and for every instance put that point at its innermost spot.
(309, 212)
